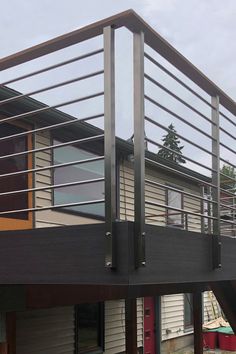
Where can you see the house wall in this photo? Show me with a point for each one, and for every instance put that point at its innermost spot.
(44, 198)
(156, 215)
(172, 309)
(114, 310)
(172, 305)
(45, 331)
(172, 315)
(211, 307)
(115, 326)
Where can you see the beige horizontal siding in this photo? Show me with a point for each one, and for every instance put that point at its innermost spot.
(172, 316)
(156, 214)
(115, 325)
(211, 306)
(43, 198)
(45, 331)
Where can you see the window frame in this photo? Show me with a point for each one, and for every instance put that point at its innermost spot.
(64, 209)
(100, 331)
(180, 191)
(6, 223)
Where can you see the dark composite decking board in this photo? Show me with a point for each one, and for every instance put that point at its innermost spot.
(76, 255)
(73, 254)
(182, 256)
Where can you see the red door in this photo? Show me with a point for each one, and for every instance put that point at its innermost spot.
(149, 325)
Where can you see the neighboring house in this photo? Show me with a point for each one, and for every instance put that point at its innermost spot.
(62, 220)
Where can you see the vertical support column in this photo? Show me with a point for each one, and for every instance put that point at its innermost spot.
(131, 326)
(8, 343)
(3, 337)
(197, 322)
(139, 150)
(158, 328)
(109, 144)
(216, 243)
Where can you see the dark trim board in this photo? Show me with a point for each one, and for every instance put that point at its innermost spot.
(45, 296)
(76, 254)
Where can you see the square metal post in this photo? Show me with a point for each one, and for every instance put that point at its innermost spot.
(139, 150)
(131, 326)
(197, 319)
(216, 243)
(109, 144)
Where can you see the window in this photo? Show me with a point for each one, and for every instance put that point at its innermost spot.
(89, 328)
(175, 200)
(16, 181)
(75, 173)
(188, 311)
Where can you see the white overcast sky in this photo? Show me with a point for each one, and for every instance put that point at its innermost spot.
(202, 30)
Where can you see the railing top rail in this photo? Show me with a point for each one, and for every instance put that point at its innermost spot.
(134, 23)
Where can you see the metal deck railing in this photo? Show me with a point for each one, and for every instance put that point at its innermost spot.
(53, 160)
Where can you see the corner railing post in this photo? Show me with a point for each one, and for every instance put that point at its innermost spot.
(139, 148)
(216, 240)
(109, 145)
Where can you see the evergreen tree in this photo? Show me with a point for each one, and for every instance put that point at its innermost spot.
(171, 141)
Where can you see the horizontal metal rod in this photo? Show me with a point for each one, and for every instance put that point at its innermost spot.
(178, 98)
(47, 108)
(178, 153)
(228, 222)
(226, 198)
(55, 146)
(178, 117)
(194, 220)
(227, 133)
(52, 87)
(227, 192)
(98, 201)
(228, 148)
(227, 162)
(227, 207)
(181, 173)
(54, 186)
(181, 211)
(228, 177)
(150, 120)
(55, 66)
(227, 118)
(177, 79)
(50, 127)
(134, 23)
(179, 190)
(51, 167)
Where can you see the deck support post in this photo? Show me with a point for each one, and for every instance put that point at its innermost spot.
(131, 326)
(197, 322)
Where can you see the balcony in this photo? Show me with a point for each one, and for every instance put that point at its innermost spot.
(83, 201)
